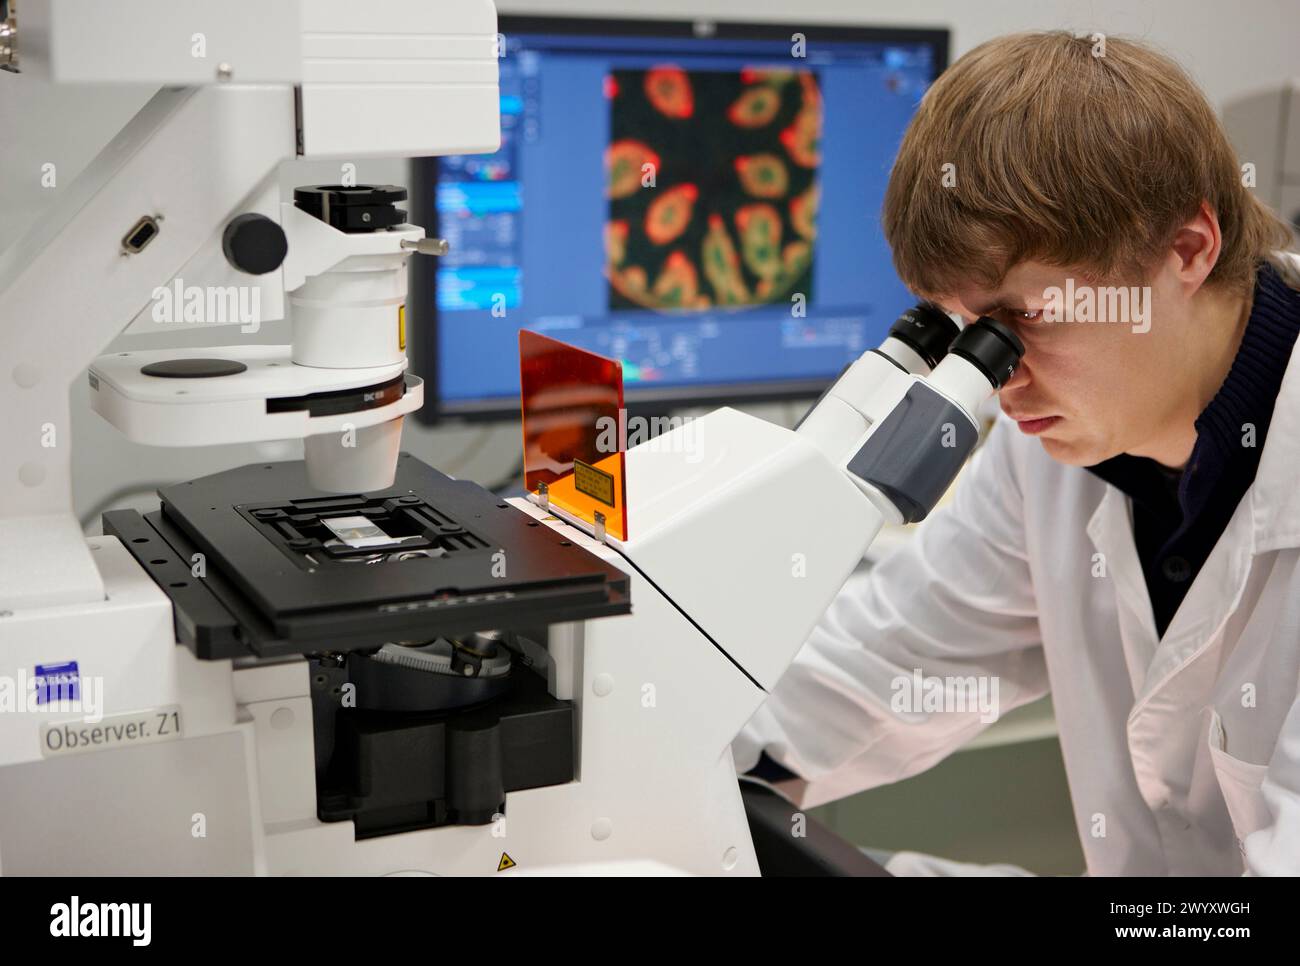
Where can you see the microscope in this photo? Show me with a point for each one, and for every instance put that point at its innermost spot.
(353, 663)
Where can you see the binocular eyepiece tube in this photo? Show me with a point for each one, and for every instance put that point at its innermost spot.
(914, 453)
(924, 335)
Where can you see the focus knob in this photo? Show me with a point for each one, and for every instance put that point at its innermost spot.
(254, 244)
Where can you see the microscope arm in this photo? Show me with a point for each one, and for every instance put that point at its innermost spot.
(68, 289)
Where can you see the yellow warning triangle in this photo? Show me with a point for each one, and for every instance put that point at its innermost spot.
(505, 863)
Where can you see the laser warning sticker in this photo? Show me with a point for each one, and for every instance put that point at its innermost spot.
(597, 484)
(505, 863)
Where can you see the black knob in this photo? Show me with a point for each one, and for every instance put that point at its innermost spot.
(927, 330)
(992, 347)
(254, 244)
(363, 207)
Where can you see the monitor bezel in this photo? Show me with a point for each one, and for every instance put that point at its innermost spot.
(422, 309)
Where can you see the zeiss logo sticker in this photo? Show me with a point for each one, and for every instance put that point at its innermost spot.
(57, 682)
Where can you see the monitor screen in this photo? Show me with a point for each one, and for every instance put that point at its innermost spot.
(699, 201)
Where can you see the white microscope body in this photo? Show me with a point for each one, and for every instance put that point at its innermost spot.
(739, 540)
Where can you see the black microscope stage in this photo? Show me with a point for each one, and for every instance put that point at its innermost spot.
(257, 562)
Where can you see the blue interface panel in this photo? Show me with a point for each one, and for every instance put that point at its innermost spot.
(706, 211)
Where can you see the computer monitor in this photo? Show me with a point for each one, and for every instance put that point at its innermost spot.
(699, 200)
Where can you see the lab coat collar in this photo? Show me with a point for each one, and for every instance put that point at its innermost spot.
(1275, 495)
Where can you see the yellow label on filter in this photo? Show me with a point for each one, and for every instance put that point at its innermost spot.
(401, 327)
(597, 484)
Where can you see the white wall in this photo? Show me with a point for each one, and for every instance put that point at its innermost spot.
(1231, 48)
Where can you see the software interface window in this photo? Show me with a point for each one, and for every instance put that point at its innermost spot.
(705, 212)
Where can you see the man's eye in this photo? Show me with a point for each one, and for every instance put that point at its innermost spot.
(1022, 315)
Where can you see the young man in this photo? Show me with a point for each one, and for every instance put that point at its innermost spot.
(1128, 538)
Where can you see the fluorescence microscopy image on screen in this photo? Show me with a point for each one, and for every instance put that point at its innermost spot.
(712, 186)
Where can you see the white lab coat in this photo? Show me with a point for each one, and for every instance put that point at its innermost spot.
(1182, 752)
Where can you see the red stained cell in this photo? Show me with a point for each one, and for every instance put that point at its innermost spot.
(669, 90)
(678, 285)
(754, 108)
(765, 75)
(611, 88)
(760, 238)
(625, 166)
(812, 97)
(801, 138)
(803, 212)
(763, 175)
(616, 242)
(722, 265)
(670, 213)
(759, 217)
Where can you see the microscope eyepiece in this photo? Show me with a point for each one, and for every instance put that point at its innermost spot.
(927, 330)
(991, 347)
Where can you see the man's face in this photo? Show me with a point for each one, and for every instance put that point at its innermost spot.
(1104, 377)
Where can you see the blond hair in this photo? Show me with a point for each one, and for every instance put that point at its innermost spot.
(1069, 153)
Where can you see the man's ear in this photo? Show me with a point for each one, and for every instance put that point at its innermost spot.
(1196, 248)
